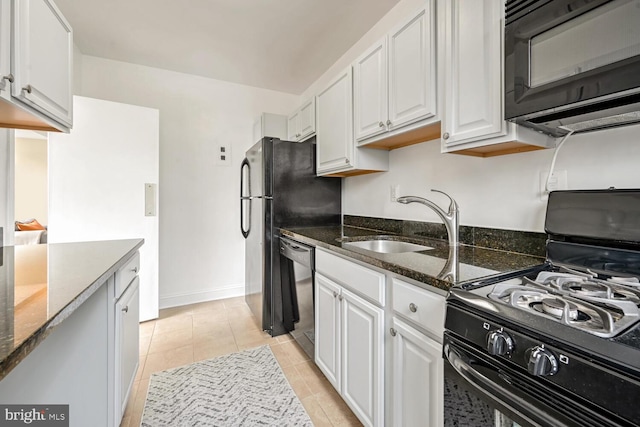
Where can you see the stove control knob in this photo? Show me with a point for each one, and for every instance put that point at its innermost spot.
(542, 362)
(499, 343)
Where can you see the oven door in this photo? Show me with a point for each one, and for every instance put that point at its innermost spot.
(560, 54)
(481, 391)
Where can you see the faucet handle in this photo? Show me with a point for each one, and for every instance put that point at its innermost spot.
(453, 206)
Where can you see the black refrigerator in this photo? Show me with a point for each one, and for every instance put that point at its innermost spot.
(279, 188)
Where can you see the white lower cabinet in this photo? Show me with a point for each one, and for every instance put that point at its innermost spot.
(417, 377)
(126, 353)
(362, 358)
(127, 342)
(327, 345)
(349, 347)
(384, 356)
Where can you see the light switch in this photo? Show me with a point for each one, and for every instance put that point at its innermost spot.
(150, 199)
(222, 155)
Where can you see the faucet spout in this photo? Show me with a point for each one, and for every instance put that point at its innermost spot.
(450, 218)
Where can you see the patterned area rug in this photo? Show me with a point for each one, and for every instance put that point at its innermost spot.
(246, 388)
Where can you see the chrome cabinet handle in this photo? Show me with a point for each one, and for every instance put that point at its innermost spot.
(135, 269)
(346, 160)
(335, 294)
(413, 308)
(27, 88)
(8, 77)
(340, 297)
(445, 135)
(381, 124)
(126, 309)
(393, 332)
(388, 122)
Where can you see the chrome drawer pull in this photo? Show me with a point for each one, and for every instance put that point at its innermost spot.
(392, 332)
(135, 269)
(413, 308)
(126, 309)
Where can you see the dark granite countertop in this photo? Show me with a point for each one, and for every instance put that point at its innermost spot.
(426, 266)
(41, 285)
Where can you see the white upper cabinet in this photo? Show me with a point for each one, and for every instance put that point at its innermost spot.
(270, 125)
(38, 70)
(412, 72)
(473, 113)
(336, 151)
(302, 122)
(395, 85)
(371, 105)
(5, 48)
(334, 119)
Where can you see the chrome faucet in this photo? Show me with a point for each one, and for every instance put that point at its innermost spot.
(451, 219)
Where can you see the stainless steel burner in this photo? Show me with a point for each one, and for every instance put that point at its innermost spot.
(581, 307)
(587, 289)
(555, 307)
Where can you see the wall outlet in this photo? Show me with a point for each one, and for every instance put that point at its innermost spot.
(394, 191)
(222, 155)
(558, 181)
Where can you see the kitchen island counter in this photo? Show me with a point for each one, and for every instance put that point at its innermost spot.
(42, 285)
(427, 266)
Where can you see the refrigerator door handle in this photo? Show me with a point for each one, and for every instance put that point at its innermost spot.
(245, 233)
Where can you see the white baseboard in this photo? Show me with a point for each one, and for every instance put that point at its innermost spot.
(177, 300)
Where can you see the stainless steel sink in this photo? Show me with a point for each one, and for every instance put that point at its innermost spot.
(387, 246)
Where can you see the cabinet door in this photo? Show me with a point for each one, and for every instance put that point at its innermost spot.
(307, 119)
(334, 121)
(292, 126)
(362, 358)
(417, 378)
(473, 75)
(412, 69)
(5, 48)
(42, 52)
(370, 92)
(127, 341)
(327, 318)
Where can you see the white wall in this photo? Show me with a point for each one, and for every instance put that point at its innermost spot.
(496, 192)
(399, 13)
(499, 192)
(201, 247)
(31, 180)
(97, 178)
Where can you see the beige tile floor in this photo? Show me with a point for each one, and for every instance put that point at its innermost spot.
(187, 334)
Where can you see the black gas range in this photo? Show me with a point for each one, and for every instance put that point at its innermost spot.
(557, 344)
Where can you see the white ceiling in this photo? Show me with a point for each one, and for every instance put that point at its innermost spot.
(283, 45)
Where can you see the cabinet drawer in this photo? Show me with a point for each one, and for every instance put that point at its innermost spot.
(423, 307)
(360, 279)
(125, 275)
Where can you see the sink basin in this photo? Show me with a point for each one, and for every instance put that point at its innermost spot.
(387, 246)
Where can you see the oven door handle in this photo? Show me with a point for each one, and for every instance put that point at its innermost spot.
(490, 387)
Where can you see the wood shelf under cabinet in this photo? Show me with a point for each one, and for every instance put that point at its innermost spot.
(501, 149)
(416, 136)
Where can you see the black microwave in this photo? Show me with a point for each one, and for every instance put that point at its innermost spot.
(572, 65)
